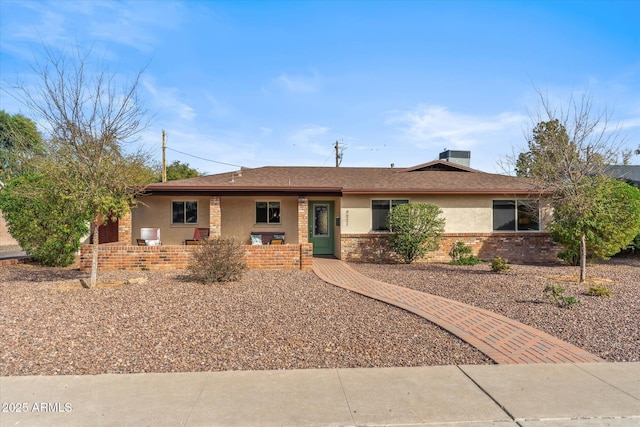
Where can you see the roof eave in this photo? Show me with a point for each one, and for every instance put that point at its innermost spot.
(445, 191)
(239, 190)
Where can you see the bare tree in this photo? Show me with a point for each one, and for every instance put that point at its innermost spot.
(566, 149)
(91, 121)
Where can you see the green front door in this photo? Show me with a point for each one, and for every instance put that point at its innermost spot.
(321, 229)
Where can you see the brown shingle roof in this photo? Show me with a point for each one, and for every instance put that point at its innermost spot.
(428, 178)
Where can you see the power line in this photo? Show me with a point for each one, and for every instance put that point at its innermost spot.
(202, 158)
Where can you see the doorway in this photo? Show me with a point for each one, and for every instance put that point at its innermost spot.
(321, 229)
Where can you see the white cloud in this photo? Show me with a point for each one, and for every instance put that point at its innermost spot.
(311, 138)
(298, 84)
(167, 100)
(133, 24)
(64, 24)
(436, 126)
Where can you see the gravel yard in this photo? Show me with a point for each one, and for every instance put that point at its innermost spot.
(50, 325)
(159, 322)
(606, 326)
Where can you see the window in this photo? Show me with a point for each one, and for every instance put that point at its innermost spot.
(267, 212)
(516, 215)
(379, 212)
(184, 212)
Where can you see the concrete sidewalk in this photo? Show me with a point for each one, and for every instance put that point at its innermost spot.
(598, 394)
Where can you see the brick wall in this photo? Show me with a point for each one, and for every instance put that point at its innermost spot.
(169, 257)
(215, 216)
(124, 229)
(516, 247)
(303, 219)
(279, 257)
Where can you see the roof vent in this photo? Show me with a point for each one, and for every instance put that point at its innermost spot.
(455, 156)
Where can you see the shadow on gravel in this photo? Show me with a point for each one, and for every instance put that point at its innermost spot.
(433, 267)
(530, 301)
(37, 273)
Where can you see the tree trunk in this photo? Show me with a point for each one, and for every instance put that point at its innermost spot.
(583, 258)
(94, 261)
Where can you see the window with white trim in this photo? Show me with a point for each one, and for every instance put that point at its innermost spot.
(184, 212)
(267, 212)
(380, 210)
(516, 215)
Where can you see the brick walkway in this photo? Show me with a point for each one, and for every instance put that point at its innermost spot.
(502, 339)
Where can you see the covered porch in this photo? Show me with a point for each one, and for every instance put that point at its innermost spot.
(223, 216)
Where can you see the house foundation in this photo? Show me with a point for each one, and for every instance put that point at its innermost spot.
(516, 247)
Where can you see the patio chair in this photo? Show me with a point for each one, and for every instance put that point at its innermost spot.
(201, 234)
(151, 236)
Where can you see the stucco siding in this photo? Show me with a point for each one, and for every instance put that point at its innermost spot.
(462, 213)
(155, 211)
(238, 217)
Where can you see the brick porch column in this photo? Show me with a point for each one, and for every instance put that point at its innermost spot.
(124, 229)
(303, 219)
(215, 216)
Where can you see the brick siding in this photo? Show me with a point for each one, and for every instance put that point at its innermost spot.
(303, 219)
(215, 217)
(170, 257)
(124, 228)
(516, 247)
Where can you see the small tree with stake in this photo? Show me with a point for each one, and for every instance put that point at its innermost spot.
(567, 150)
(90, 120)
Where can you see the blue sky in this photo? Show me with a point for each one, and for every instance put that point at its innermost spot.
(256, 83)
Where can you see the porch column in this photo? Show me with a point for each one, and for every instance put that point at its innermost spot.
(303, 219)
(124, 229)
(215, 216)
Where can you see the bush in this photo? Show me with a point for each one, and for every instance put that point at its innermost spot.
(46, 223)
(217, 260)
(599, 291)
(556, 292)
(608, 226)
(416, 229)
(633, 247)
(462, 254)
(571, 255)
(499, 264)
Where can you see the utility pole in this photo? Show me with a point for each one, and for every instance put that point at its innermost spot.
(339, 153)
(164, 157)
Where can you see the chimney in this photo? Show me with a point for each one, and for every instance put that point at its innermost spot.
(456, 156)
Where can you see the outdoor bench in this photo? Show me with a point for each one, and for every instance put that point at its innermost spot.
(267, 237)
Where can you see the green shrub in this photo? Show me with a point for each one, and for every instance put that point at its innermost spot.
(599, 291)
(499, 264)
(462, 254)
(415, 229)
(555, 293)
(46, 223)
(571, 255)
(634, 246)
(219, 259)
